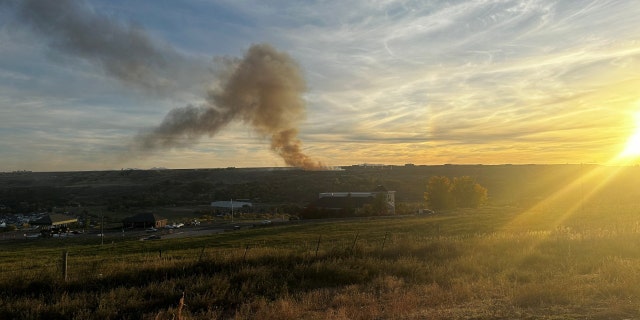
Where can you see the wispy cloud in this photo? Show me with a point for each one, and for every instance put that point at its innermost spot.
(535, 81)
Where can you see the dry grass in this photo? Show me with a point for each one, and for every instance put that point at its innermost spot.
(579, 270)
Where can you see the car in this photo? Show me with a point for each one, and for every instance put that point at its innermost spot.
(152, 230)
(426, 211)
(152, 237)
(266, 221)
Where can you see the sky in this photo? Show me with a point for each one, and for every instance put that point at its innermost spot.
(82, 82)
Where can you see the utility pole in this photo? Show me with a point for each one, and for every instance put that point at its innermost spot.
(231, 210)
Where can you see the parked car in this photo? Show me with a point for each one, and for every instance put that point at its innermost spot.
(152, 230)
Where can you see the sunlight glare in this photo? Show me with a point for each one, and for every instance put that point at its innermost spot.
(633, 144)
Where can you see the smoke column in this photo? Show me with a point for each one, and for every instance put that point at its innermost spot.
(263, 89)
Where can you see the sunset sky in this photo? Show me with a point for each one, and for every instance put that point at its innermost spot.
(393, 82)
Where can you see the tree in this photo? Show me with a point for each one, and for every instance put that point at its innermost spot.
(438, 194)
(379, 205)
(467, 193)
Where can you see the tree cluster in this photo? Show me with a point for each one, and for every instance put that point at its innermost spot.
(462, 192)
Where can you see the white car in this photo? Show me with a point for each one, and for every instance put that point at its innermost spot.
(152, 230)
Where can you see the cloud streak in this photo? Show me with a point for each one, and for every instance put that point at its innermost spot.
(463, 81)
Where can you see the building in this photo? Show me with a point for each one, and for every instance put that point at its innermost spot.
(357, 201)
(144, 220)
(54, 220)
(54, 223)
(241, 205)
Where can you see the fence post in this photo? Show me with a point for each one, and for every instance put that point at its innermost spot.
(384, 241)
(244, 257)
(318, 246)
(65, 255)
(201, 253)
(354, 242)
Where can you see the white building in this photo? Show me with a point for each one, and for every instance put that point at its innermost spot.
(332, 199)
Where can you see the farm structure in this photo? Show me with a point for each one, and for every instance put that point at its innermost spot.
(54, 223)
(356, 200)
(144, 220)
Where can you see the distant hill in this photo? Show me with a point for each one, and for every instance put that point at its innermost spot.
(516, 185)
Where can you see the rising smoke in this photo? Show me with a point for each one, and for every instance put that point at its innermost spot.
(263, 89)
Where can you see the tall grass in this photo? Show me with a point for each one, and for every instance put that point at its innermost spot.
(461, 265)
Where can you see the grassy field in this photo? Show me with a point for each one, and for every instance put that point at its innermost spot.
(484, 263)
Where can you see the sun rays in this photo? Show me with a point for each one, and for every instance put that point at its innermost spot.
(632, 149)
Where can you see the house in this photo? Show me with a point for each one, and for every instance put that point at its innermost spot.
(357, 201)
(144, 220)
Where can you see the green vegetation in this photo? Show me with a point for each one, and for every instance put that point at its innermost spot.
(487, 263)
(462, 192)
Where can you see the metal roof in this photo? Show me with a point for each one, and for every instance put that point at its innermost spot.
(230, 204)
(53, 219)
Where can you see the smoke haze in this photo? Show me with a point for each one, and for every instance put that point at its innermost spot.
(263, 90)
(123, 51)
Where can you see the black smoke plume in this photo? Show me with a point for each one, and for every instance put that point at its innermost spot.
(263, 89)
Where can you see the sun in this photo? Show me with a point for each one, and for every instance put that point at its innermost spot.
(632, 150)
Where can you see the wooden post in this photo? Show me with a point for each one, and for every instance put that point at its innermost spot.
(384, 241)
(354, 242)
(201, 253)
(318, 245)
(245, 253)
(102, 229)
(65, 255)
